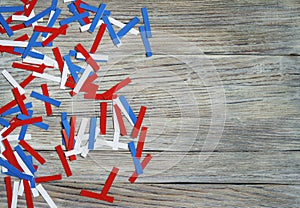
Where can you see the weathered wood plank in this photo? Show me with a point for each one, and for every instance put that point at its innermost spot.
(262, 102)
(181, 167)
(171, 195)
(238, 27)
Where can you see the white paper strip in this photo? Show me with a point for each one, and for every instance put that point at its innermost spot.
(83, 78)
(12, 81)
(25, 18)
(80, 134)
(13, 43)
(14, 200)
(16, 137)
(22, 164)
(96, 57)
(21, 188)
(87, 26)
(74, 152)
(116, 129)
(64, 76)
(46, 196)
(121, 25)
(47, 60)
(46, 76)
(2, 149)
(119, 104)
(34, 192)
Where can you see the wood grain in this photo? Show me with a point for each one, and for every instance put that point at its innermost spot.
(216, 64)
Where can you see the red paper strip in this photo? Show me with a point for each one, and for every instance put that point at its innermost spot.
(139, 122)
(61, 31)
(98, 38)
(45, 179)
(103, 113)
(123, 131)
(109, 181)
(29, 121)
(20, 101)
(58, 58)
(9, 20)
(29, 67)
(94, 195)
(144, 164)
(38, 28)
(26, 81)
(140, 145)
(28, 195)
(30, 7)
(66, 138)
(34, 153)
(72, 133)
(11, 127)
(80, 10)
(22, 38)
(10, 105)
(8, 49)
(87, 57)
(47, 105)
(109, 93)
(8, 186)
(63, 160)
(17, 27)
(9, 155)
(67, 141)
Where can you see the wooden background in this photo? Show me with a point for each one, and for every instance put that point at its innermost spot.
(216, 64)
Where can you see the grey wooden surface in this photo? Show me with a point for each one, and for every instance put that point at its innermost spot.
(241, 57)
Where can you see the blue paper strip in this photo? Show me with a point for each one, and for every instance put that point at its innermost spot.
(24, 127)
(73, 18)
(14, 171)
(4, 122)
(52, 20)
(145, 41)
(93, 124)
(73, 9)
(71, 68)
(11, 8)
(31, 41)
(72, 53)
(65, 125)
(41, 125)
(97, 17)
(146, 22)
(106, 12)
(45, 98)
(37, 17)
(54, 4)
(6, 26)
(16, 109)
(128, 109)
(30, 53)
(88, 7)
(128, 27)
(137, 164)
(23, 156)
(111, 31)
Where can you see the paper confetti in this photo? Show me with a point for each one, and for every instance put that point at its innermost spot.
(19, 162)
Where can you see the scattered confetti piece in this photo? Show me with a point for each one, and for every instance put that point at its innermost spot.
(63, 160)
(14, 161)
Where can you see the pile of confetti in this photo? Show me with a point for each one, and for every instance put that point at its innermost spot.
(18, 162)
